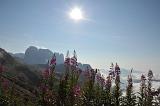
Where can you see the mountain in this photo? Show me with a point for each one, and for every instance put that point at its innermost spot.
(27, 75)
(33, 56)
(24, 77)
(19, 55)
(59, 58)
(12, 67)
(84, 66)
(6, 58)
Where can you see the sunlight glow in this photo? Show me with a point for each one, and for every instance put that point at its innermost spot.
(76, 14)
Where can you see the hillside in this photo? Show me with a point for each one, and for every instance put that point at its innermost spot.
(24, 78)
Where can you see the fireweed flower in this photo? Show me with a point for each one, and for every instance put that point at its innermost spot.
(143, 79)
(117, 74)
(108, 82)
(74, 60)
(98, 76)
(76, 90)
(51, 64)
(130, 81)
(117, 69)
(53, 60)
(111, 71)
(43, 87)
(78, 71)
(117, 84)
(155, 92)
(117, 79)
(143, 87)
(150, 75)
(143, 84)
(67, 59)
(149, 88)
(46, 73)
(100, 79)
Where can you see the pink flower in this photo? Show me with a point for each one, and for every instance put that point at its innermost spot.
(43, 87)
(78, 71)
(143, 78)
(108, 82)
(130, 81)
(100, 80)
(46, 73)
(77, 90)
(67, 59)
(117, 79)
(117, 69)
(98, 77)
(53, 60)
(74, 60)
(111, 71)
(150, 74)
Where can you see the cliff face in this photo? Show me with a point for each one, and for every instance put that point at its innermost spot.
(34, 55)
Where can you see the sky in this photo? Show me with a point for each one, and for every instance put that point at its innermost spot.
(122, 31)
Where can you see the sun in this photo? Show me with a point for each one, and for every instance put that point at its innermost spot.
(76, 14)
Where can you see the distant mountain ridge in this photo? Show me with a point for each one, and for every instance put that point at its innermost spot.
(33, 55)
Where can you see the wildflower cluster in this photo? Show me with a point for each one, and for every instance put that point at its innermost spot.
(77, 87)
(69, 87)
(46, 88)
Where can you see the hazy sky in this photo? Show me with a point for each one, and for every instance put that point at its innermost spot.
(123, 31)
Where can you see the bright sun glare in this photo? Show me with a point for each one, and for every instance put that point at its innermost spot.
(76, 14)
